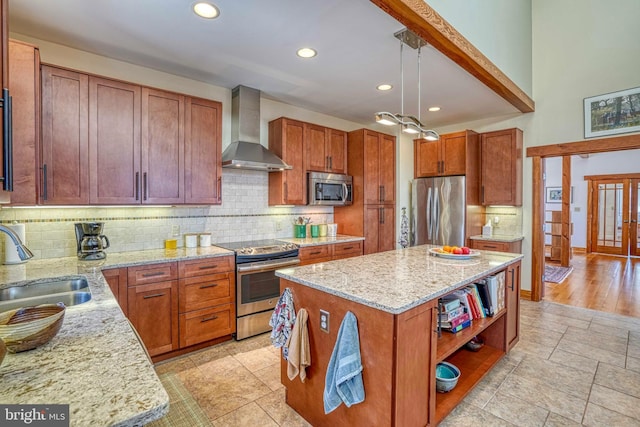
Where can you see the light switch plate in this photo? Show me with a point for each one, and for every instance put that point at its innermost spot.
(324, 321)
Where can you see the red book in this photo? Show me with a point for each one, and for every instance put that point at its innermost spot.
(455, 322)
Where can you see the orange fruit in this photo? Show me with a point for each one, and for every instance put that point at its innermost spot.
(446, 249)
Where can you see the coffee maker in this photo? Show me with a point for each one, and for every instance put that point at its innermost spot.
(90, 241)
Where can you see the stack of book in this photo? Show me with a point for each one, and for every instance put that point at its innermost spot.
(453, 316)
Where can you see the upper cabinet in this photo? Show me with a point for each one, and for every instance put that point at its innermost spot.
(453, 154)
(202, 151)
(65, 137)
(127, 144)
(501, 171)
(379, 159)
(286, 140)
(326, 149)
(24, 86)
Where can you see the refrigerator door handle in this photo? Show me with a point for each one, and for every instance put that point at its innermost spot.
(436, 214)
(429, 212)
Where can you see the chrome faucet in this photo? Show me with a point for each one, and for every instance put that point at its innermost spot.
(23, 252)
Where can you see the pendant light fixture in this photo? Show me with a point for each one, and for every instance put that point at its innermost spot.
(410, 124)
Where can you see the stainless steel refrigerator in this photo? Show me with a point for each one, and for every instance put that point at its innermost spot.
(438, 211)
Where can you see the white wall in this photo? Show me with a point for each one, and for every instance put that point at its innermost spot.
(500, 29)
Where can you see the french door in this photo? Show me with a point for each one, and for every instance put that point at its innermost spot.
(615, 216)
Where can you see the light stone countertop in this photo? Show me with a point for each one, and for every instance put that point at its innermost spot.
(396, 281)
(315, 241)
(508, 238)
(95, 363)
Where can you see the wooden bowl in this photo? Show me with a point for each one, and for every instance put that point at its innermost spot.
(29, 327)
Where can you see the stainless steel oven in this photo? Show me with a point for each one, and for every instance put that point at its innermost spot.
(257, 287)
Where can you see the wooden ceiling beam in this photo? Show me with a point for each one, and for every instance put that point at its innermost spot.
(423, 20)
(600, 145)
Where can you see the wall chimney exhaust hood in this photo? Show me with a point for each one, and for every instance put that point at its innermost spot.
(245, 151)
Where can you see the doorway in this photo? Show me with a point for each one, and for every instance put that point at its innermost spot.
(614, 214)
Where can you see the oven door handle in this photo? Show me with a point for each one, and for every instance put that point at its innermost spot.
(267, 267)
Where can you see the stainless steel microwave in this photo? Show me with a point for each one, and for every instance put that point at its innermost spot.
(330, 189)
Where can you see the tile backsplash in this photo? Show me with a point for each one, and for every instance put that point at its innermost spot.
(509, 220)
(243, 215)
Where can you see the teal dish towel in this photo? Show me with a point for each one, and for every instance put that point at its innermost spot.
(343, 383)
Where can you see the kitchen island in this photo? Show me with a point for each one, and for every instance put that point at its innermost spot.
(95, 363)
(394, 297)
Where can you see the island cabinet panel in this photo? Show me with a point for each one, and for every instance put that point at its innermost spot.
(513, 304)
(117, 280)
(376, 332)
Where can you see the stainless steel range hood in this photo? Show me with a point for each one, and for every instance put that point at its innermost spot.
(245, 151)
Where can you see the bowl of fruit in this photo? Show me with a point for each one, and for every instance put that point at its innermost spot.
(454, 252)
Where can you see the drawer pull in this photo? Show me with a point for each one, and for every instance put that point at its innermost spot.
(212, 285)
(154, 274)
(315, 253)
(208, 267)
(347, 248)
(207, 319)
(491, 246)
(153, 296)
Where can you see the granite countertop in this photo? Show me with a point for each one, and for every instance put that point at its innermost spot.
(508, 238)
(95, 363)
(314, 241)
(396, 281)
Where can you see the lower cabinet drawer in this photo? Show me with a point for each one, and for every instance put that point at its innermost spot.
(152, 273)
(205, 291)
(203, 325)
(314, 254)
(346, 250)
(202, 267)
(492, 245)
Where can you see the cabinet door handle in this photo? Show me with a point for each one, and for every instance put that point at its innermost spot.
(44, 182)
(380, 193)
(513, 277)
(7, 143)
(207, 267)
(137, 185)
(207, 319)
(144, 186)
(384, 193)
(482, 193)
(212, 285)
(286, 198)
(219, 188)
(154, 274)
(326, 162)
(153, 296)
(331, 162)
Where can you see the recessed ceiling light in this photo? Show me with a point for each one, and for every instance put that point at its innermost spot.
(384, 87)
(434, 108)
(306, 52)
(206, 10)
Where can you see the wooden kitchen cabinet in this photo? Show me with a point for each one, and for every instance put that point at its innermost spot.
(286, 140)
(153, 311)
(329, 252)
(24, 87)
(512, 281)
(152, 305)
(65, 137)
(496, 245)
(117, 280)
(371, 160)
(501, 167)
(207, 299)
(162, 147)
(453, 154)
(114, 142)
(203, 152)
(326, 149)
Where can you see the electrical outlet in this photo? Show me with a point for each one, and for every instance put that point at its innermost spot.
(324, 321)
(175, 230)
(278, 225)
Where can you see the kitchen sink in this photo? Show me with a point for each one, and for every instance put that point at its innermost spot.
(70, 292)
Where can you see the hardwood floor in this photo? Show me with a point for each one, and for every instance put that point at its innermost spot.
(600, 282)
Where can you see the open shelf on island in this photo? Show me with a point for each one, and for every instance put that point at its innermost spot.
(473, 367)
(449, 342)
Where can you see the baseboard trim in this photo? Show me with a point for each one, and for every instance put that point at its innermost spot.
(524, 294)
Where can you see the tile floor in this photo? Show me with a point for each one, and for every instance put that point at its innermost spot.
(572, 367)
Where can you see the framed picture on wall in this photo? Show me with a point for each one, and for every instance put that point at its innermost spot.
(612, 113)
(554, 195)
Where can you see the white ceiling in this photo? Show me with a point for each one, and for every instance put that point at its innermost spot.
(253, 43)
